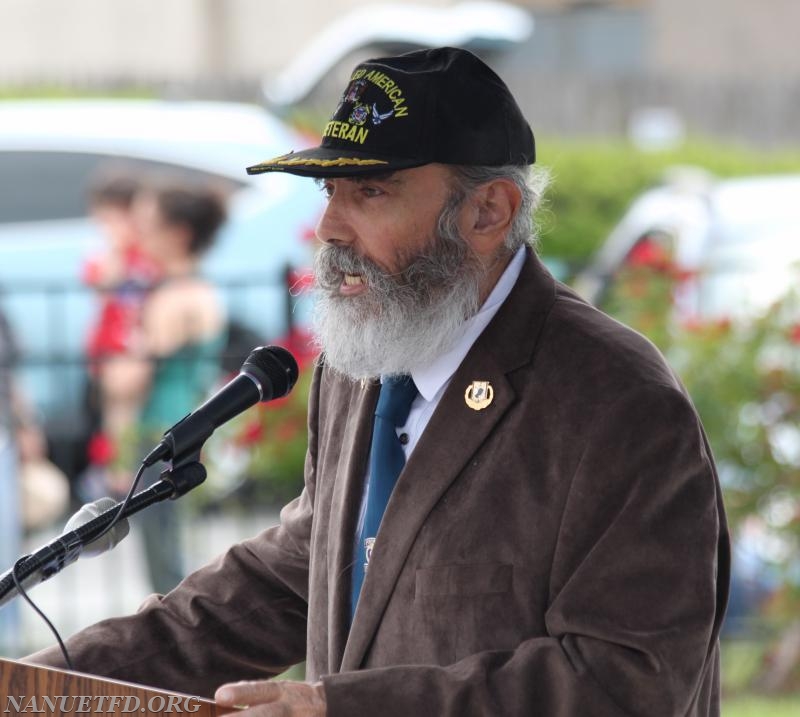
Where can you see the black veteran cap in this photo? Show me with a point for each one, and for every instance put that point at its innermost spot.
(442, 105)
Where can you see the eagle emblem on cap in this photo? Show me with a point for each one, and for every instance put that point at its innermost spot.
(377, 117)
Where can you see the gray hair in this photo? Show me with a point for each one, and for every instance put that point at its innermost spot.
(531, 182)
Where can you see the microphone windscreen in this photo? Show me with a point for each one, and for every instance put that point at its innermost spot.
(275, 368)
(90, 511)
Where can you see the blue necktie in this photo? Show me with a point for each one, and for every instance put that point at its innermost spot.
(386, 460)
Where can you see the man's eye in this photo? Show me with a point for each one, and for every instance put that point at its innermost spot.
(369, 190)
(327, 190)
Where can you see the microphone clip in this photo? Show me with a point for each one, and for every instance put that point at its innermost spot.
(184, 474)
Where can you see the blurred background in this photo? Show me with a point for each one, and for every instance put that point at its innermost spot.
(672, 130)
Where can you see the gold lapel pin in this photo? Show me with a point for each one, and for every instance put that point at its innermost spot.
(479, 395)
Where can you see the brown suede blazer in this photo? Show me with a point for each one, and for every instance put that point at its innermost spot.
(562, 552)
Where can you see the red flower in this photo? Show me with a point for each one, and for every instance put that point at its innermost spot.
(253, 433)
(287, 431)
(300, 343)
(681, 275)
(723, 325)
(794, 334)
(300, 280)
(649, 253)
(693, 325)
(101, 450)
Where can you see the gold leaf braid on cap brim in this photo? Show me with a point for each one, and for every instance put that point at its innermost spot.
(338, 162)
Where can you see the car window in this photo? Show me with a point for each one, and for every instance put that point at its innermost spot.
(745, 211)
(43, 185)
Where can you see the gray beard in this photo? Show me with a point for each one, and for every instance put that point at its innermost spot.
(403, 321)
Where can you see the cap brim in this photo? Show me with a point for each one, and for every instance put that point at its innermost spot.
(331, 162)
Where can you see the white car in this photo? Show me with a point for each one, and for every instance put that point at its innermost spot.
(738, 238)
(49, 151)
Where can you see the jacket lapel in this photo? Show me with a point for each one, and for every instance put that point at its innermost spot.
(454, 432)
(345, 504)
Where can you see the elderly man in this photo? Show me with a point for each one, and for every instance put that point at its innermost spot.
(510, 507)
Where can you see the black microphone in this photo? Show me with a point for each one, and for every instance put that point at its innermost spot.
(269, 372)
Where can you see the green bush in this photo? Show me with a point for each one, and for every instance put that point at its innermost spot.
(593, 182)
(744, 378)
(61, 92)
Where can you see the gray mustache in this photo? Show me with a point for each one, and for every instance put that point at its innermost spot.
(332, 262)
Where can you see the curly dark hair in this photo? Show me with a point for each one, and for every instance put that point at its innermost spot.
(200, 209)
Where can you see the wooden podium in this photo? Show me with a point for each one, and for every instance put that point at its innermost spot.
(30, 689)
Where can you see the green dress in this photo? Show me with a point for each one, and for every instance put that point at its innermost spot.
(181, 382)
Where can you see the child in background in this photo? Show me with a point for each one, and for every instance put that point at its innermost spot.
(123, 272)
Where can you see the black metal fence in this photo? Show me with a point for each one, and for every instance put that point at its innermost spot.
(51, 367)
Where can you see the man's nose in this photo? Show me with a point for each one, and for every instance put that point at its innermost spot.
(333, 227)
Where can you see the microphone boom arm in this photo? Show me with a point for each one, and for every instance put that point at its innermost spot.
(65, 549)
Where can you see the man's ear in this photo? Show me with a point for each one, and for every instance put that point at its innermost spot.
(492, 208)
